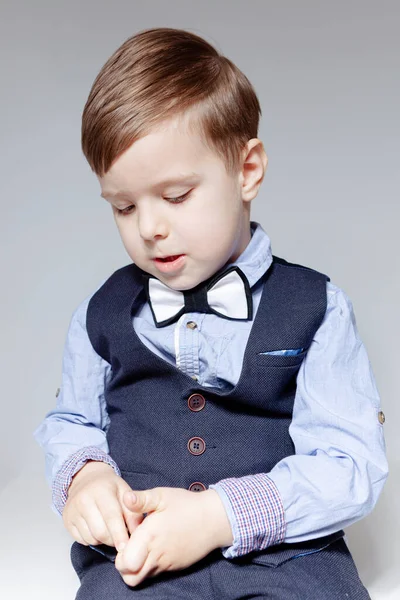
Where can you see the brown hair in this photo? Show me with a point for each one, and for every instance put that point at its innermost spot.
(161, 73)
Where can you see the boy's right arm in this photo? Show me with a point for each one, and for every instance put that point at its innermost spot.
(73, 437)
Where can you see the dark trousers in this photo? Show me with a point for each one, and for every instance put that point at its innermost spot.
(326, 574)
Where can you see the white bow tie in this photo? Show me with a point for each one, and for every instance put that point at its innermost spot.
(227, 295)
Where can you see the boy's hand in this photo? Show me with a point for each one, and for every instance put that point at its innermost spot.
(181, 528)
(94, 512)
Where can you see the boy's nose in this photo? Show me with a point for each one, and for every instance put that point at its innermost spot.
(152, 225)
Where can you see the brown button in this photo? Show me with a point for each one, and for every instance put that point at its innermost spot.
(196, 402)
(381, 417)
(197, 486)
(191, 325)
(196, 445)
(57, 392)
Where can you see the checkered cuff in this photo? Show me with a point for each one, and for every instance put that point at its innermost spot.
(255, 511)
(71, 466)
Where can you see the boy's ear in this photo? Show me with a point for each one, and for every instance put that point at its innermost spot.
(254, 165)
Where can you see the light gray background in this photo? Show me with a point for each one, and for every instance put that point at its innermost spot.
(327, 75)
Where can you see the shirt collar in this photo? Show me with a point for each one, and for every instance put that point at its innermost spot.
(256, 258)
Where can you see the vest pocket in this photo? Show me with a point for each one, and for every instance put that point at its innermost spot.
(277, 555)
(280, 360)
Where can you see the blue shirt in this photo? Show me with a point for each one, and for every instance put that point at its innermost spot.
(340, 466)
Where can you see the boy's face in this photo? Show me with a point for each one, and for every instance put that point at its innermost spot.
(202, 218)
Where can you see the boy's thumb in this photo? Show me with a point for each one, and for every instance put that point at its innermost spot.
(142, 501)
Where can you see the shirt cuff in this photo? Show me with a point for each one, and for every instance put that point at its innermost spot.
(255, 511)
(71, 466)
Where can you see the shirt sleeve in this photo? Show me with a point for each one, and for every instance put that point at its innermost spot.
(339, 466)
(75, 430)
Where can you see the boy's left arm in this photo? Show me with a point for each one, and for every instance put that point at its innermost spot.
(340, 466)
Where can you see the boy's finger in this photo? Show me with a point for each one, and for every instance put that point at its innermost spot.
(142, 501)
(92, 527)
(132, 520)
(86, 531)
(114, 520)
(135, 553)
(76, 535)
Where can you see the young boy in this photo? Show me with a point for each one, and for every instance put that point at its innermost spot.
(206, 364)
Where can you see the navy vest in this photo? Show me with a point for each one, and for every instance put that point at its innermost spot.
(168, 430)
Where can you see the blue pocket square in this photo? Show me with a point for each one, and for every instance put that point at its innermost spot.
(290, 352)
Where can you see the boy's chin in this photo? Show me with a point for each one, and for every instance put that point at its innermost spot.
(181, 283)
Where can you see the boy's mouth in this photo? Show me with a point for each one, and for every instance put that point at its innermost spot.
(170, 264)
(168, 258)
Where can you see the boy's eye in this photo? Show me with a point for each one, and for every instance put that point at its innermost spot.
(125, 211)
(177, 200)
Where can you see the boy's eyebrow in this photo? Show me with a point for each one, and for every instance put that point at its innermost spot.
(167, 181)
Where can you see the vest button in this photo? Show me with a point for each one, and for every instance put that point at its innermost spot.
(191, 325)
(197, 486)
(196, 402)
(196, 445)
(57, 392)
(381, 417)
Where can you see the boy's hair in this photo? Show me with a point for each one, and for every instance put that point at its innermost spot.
(163, 73)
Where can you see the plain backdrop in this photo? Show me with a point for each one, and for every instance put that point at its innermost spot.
(327, 76)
